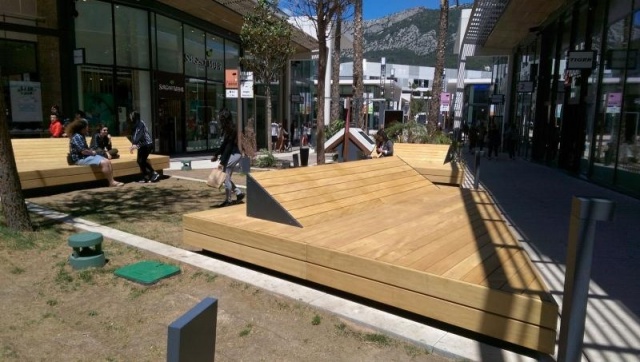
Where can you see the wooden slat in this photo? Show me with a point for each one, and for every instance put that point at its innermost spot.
(428, 160)
(383, 231)
(41, 162)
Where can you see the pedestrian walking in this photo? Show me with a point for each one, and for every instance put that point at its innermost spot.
(142, 142)
(230, 154)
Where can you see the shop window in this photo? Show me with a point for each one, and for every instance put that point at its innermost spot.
(94, 32)
(195, 61)
(132, 37)
(168, 46)
(215, 56)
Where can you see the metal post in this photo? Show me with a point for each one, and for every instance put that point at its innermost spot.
(584, 214)
(476, 176)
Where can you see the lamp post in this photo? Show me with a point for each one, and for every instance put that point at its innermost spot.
(393, 79)
(383, 76)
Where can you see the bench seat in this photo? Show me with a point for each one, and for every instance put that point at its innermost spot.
(428, 160)
(42, 162)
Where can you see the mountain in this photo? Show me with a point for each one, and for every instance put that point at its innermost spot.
(408, 37)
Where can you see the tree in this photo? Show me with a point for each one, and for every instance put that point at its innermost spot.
(358, 53)
(266, 37)
(14, 210)
(320, 13)
(335, 69)
(438, 73)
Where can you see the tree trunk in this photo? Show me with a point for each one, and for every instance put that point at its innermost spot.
(358, 44)
(335, 70)
(322, 71)
(267, 93)
(434, 109)
(14, 209)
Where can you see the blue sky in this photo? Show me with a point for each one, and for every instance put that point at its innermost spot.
(373, 9)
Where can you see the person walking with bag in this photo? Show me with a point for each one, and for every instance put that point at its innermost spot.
(230, 154)
(142, 142)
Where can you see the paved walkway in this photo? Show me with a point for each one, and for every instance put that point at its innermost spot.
(536, 201)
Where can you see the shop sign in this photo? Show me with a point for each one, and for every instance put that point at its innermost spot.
(614, 102)
(525, 87)
(231, 93)
(246, 85)
(170, 85)
(231, 78)
(581, 60)
(444, 107)
(445, 98)
(26, 101)
(207, 63)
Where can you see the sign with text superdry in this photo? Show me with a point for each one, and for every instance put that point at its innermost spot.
(169, 85)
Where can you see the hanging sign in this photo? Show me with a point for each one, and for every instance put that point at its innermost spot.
(581, 60)
(231, 78)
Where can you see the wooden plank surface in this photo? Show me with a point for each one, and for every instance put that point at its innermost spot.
(381, 230)
(41, 162)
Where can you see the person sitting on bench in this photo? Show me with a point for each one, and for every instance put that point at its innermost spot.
(81, 154)
(384, 145)
(101, 143)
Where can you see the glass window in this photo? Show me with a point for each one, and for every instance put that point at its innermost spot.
(628, 172)
(195, 115)
(132, 37)
(194, 52)
(169, 45)
(215, 56)
(133, 92)
(96, 95)
(94, 32)
(231, 55)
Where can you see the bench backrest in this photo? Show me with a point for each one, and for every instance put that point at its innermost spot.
(315, 194)
(432, 153)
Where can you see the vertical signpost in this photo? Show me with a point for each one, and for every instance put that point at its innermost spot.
(445, 101)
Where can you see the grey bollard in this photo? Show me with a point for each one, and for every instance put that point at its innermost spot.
(476, 173)
(584, 214)
(296, 160)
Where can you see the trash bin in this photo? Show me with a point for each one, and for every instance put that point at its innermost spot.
(304, 157)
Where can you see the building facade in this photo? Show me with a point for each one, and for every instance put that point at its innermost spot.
(107, 58)
(572, 81)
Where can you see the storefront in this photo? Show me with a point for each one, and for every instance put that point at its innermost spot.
(575, 94)
(111, 57)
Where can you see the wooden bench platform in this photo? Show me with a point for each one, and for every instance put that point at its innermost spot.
(429, 160)
(42, 162)
(379, 229)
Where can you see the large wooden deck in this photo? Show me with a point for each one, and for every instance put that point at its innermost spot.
(379, 229)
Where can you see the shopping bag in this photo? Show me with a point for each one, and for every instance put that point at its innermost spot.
(216, 178)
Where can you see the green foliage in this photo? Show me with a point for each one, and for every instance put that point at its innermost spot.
(333, 128)
(266, 38)
(413, 132)
(316, 320)
(265, 159)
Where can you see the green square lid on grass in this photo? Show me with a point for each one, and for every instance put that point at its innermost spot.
(147, 272)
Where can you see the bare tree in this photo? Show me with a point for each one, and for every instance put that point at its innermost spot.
(358, 53)
(320, 13)
(266, 37)
(438, 74)
(14, 210)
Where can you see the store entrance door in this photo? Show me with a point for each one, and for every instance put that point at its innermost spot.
(170, 126)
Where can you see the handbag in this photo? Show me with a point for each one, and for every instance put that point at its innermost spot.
(216, 178)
